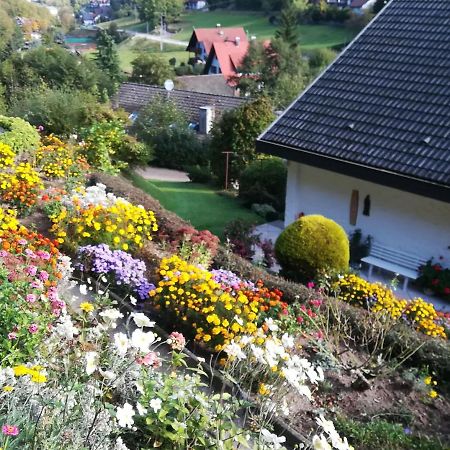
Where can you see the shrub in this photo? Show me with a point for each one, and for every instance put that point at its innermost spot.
(266, 211)
(199, 174)
(264, 181)
(241, 237)
(359, 246)
(435, 277)
(18, 134)
(312, 244)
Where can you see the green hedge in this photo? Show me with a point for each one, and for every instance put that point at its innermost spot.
(18, 134)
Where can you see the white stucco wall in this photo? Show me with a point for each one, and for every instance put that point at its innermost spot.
(397, 219)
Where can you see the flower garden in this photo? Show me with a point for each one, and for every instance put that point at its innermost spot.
(122, 327)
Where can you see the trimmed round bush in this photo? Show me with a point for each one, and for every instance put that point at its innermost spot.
(312, 244)
(18, 134)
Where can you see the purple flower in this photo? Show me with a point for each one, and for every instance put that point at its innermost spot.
(43, 275)
(31, 298)
(33, 328)
(31, 270)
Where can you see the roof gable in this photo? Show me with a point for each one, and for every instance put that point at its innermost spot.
(209, 36)
(229, 55)
(384, 104)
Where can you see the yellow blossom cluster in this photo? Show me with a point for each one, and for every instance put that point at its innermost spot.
(7, 156)
(356, 290)
(34, 372)
(121, 225)
(58, 159)
(196, 299)
(8, 220)
(423, 316)
(377, 297)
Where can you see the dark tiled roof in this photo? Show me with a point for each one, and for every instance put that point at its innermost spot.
(209, 84)
(384, 104)
(133, 96)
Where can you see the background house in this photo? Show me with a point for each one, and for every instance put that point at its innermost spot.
(368, 142)
(201, 109)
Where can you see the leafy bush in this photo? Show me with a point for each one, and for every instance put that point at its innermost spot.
(199, 174)
(266, 211)
(18, 134)
(264, 181)
(241, 237)
(312, 244)
(359, 246)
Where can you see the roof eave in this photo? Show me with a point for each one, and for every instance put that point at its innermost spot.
(385, 178)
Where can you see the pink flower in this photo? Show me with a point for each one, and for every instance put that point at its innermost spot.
(149, 360)
(32, 270)
(43, 276)
(33, 328)
(36, 284)
(43, 254)
(22, 242)
(176, 341)
(310, 285)
(10, 430)
(3, 253)
(30, 253)
(31, 298)
(12, 336)
(300, 319)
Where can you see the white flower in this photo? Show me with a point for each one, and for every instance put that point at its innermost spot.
(65, 327)
(121, 343)
(320, 443)
(142, 341)
(141, 410)
(258, 353)
(288, 341)
(104, 279)
(239, 320)
(91, 362)
(234, 350)
(245, 340)
(107, 374)
(141, 320)
(83, 289)
(120, 445)
(273, 439)
(133, 300)
(111, 314)
(125, 416)
(155, 404)
(271, 324)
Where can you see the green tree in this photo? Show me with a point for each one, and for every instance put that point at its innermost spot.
(289, 31)
(151, 69)
(107, 58)
(150, 11)
(237, 131)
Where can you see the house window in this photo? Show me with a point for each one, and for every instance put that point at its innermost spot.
(366, 210)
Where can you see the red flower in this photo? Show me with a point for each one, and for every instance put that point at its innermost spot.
(437, 267)
(447, 290)
(300, 319)
(435, 281)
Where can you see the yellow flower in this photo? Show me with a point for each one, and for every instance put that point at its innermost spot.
(87, 307)
(427, 380)
(8, 389)
(433, 393)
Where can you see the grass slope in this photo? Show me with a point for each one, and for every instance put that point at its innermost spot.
(197, 203)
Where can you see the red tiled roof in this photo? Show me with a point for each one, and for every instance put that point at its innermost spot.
(212, 35)
(230, 56)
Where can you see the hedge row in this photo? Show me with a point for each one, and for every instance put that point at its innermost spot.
(434, 353)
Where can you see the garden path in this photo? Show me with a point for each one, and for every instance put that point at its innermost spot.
(158, 173)
(157, 38)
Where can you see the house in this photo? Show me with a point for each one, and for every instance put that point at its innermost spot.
(201, 109)
(225, 57)
(359, 6)
(368, 142)
(202, 39)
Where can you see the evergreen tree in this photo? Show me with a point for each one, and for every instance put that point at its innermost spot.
(107, 57)
(289, 30)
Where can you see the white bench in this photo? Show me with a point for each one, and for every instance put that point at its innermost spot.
(396, 261)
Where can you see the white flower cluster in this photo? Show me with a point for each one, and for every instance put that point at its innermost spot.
(322, 442)
(92, 195)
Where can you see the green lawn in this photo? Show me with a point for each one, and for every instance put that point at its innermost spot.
(196, 203)
(256, 24)
(130, 49)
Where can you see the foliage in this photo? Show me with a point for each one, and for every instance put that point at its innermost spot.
(195, 247)
(116, 267)
(151, 69)
(109, 148)
(312, 244)
(151, 10)
(319, 59)
(18, 134)
(288, 30)
(59, 159)
(241, 237)
(63, 111)
(377, 297)
(264, 181)
(93, 217)
(277, 70)
(28, 270)
(237, 131)
(53, 67)
(435, 277)
(379, 433)
(107, 58)
(199, 173)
